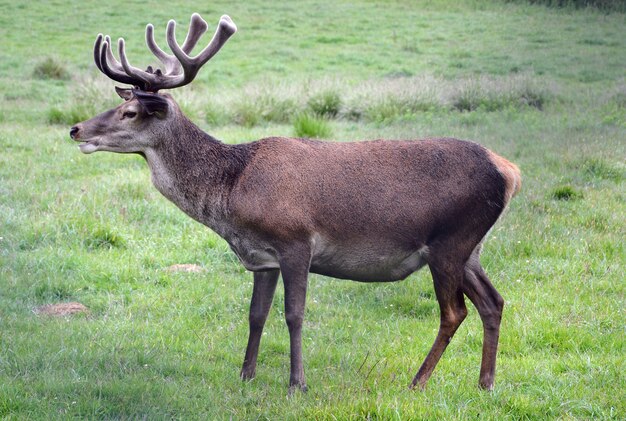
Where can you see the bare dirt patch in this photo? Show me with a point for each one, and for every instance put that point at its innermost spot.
(185, 267)
(61, 309)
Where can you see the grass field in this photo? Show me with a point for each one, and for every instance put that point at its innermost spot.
(543, 87)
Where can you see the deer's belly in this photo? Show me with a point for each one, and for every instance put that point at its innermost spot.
(355, 261)
(367, 263)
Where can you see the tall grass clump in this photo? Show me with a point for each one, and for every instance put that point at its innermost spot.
(50, 68)
(491, 94)
(325, 104)
(604, 5)
(251, 111)
(103, 238)
(307, 125)
(566, 192)
(407, 97)
(393, 107)
(396, 98)
(266, 102)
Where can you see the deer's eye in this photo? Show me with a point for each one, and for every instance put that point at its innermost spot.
(129, 114)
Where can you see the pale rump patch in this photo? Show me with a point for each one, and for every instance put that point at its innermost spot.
(61, 309)
(511, 174)
(187, 267)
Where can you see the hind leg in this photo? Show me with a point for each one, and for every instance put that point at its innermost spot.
(448, 280)
(489, 304)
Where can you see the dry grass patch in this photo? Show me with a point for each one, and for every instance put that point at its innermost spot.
(185, 267)
(61, 309)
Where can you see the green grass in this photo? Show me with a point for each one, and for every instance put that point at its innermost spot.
(50, 69)
(311, 126)
(566, 193)
(325, 104)
(541, 86)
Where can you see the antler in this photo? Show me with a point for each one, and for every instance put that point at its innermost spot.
(180, 68)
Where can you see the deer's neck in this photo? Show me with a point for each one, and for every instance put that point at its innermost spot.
(197, 172)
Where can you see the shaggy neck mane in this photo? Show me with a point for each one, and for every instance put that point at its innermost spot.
(195, 170)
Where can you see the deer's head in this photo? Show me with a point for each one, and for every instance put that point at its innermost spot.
(133, 126)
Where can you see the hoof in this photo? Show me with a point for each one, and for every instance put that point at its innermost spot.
(486, 386)
(417, 385)
(247, 375)
(486, 381)
(295, 387)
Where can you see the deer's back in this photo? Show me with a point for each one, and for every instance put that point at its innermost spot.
(351, 187)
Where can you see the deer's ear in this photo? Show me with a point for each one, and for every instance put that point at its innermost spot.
(152, 102)
(125, 94)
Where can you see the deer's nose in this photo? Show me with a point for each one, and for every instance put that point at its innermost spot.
(73, 132)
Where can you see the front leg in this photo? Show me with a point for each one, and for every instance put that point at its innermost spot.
(294, 265)
(262, 295)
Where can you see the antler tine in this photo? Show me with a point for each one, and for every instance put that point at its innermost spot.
(225, 29)
(197, 28)
(97, 47)
(110, 58)
(169, 61)
(191, 65)
(102, 63)
(148, 78)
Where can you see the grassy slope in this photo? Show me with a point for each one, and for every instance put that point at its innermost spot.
(158, 344)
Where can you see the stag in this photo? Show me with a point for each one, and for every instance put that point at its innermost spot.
(371, 211)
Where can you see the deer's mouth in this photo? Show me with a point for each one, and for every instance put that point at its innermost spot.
(88, 146)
